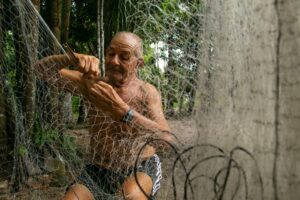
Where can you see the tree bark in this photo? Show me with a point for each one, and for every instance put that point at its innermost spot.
(2, 96)
(20, 107)
(65, 20)
(6, 144)
(26, 56)
(65, 26)
(53, 19)
(53, 16)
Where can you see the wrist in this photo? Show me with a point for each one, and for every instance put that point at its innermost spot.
(128, 116)
(61, 60)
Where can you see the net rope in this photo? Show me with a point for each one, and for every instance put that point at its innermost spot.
(44, 150)
(41, 144)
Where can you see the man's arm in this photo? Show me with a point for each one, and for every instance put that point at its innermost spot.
(104, 97)
(52, 69)
(156, 123)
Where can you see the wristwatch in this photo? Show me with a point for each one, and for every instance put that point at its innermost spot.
(128, 117)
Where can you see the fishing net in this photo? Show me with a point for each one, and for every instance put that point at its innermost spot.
(34, 96)
(38, 147)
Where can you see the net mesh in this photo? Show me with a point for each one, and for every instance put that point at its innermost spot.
(39, 148)
(35, 93)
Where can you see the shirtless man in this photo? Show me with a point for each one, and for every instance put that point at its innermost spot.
(126, 108)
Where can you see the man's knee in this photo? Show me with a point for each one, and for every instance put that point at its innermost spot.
(134, 191)
(78, 192)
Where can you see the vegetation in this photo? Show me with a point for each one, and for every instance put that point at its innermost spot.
(164, 22)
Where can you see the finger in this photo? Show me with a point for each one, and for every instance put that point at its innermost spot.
(81, 64)
(104, 84)
(96, 67)
(97, 95)
(92, 67)
(87, 66)
(94, 70)
(95, 91)
(95, 87)
(104, 92)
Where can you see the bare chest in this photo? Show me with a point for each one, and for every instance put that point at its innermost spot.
(100, 122)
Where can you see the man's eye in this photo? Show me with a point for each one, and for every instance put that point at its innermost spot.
(111, 54)
(124, 57)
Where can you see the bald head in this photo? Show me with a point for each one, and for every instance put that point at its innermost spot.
(131, 36)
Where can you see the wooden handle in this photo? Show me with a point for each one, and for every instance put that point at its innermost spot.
(74, 60)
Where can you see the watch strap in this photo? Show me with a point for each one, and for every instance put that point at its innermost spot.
(128, 117)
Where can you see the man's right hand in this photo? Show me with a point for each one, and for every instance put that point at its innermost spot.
(86, 64)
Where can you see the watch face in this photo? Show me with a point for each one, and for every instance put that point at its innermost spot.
(128, 116)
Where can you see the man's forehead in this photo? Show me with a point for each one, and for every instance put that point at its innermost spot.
(123, 42)
(125, 49)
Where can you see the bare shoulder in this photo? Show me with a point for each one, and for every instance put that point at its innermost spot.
(155, 106)
(150, 91)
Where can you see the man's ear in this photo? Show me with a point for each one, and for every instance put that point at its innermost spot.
(140, 63)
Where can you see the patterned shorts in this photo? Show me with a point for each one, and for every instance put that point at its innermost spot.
(103, 183)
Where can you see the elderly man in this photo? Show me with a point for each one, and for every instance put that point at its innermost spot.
(125, 108)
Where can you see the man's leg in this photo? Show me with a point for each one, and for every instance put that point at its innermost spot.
(78, 192)
(131, 189)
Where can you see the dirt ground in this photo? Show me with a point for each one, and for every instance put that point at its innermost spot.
(39, 188)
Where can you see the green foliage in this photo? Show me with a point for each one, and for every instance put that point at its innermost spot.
(75, 105)
(148, 54)
(22, 150)
(43, 136)
(52, 137)
(69, 149)
(83, 26)
(9, 48)
(9, 58)
(68, 143)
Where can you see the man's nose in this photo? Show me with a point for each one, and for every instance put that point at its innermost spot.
(115, 60)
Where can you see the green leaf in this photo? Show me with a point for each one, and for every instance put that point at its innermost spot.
(22, 150)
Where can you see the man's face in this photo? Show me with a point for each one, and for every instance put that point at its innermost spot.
(120, 60)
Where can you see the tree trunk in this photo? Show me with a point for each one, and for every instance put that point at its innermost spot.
(30, 81)
(6, 144)
(53, 19)
(53, 16)
(65, 25)
(26, 56)
(20, 110)
(65, 20)
(2, 95)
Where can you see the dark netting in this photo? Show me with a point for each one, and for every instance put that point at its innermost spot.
(40, 150)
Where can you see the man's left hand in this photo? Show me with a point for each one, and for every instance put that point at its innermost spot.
(105, 98)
